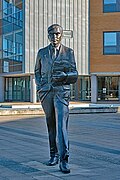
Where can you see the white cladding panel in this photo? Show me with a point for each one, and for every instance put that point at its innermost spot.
(71, 15)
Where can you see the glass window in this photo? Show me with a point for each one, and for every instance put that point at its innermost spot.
(82, 90)
(110, 39)
(85, 88)
(5, 7)
(108, 88)
(17, 89)
(111, 6)
(18, 44)
(7, 45)
(109, 1)
(4, 44)
(12, 34)
(6, 66)
(111, 42)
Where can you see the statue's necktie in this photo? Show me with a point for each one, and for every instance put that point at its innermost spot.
(54, 53)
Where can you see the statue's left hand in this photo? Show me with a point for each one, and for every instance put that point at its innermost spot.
(59, 76)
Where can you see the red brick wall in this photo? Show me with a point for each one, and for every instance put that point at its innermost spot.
(100, 22)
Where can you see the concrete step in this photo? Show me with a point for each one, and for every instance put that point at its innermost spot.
(73, 110)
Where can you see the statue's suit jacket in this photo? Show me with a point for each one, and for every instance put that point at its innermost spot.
(44, 69)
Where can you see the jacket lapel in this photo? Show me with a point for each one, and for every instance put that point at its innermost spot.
(60, 54)
(47, 55)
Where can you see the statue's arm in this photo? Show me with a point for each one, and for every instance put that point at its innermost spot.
(37, 71)
(72, 74)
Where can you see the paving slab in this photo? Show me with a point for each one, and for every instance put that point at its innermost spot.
(94, 148)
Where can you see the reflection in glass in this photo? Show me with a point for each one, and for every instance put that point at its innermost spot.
(109, 1)
(12, 34)
(108, 88)
(110, 39)
(17, 89)
(83, 89)
(111, 42)
(111, 6)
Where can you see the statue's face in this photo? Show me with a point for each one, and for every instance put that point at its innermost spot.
(55, 36)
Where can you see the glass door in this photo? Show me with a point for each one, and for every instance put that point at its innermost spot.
(85, 88)
(108, 88)
(17, 89)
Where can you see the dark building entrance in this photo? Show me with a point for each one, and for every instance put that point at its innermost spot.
(17, 89)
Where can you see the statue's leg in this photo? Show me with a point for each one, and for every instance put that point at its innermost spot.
(48, 107)
(62, 115)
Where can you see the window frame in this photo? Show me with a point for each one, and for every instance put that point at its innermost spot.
(117, 43)
(117, 8)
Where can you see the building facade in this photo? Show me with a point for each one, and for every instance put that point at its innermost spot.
(23, 30)
(91, 28)
(105, 50)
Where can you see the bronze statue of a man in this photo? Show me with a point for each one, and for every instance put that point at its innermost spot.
(55, 70)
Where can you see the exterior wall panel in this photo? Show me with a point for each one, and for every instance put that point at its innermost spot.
(70, 14)
(31, 33)
(27, 37)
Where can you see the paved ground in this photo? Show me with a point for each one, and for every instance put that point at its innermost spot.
(94, 148)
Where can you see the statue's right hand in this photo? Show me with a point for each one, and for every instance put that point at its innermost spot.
(59, 76)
